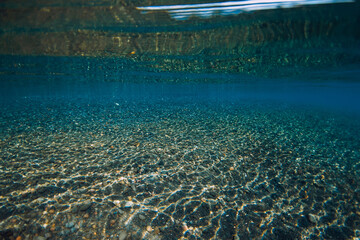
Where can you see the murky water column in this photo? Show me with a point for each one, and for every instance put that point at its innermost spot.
(195, 120)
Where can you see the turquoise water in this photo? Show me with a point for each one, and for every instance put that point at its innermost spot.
(140, 120)
(335, 89)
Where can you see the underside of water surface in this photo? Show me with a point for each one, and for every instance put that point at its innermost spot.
(118, 36)
(179, 120)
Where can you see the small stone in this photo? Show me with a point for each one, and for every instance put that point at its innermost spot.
(129, 204)
(149, 229)
(232, 168)
(312, 218)
(13, 220)
(39, 238)
(69, 224)
(112, 221)
(52, 211)
(85, 205)
(86, 215)
(142, 217)
(74, 208)
(19, 238)
(122, 235)
(94, 226)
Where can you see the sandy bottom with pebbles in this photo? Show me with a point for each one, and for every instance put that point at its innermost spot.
(177, 170)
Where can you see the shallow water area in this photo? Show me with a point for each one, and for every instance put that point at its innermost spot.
(192, 166)
(140, 119)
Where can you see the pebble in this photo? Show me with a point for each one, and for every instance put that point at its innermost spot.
(129, 204)
(69, 224)
(312, 218)
(122, 235)
(154, 189)
(85, 205)
(53, 228)
(39, 238)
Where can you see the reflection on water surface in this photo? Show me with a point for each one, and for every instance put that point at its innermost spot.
(276, 42)
(231, 7)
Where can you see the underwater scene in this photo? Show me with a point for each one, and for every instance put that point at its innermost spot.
(154, 119)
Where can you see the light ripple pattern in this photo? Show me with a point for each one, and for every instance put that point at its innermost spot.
(206, 10)
(170, 170)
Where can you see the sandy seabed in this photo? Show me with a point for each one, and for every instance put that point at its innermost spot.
(115, 169)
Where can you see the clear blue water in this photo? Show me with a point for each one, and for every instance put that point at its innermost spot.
(118, 121)
(329, 89)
